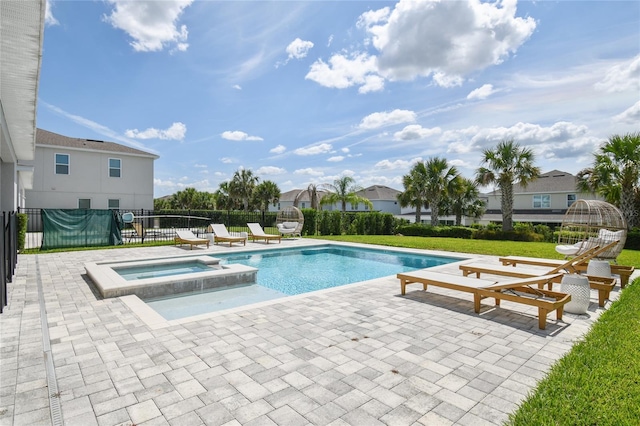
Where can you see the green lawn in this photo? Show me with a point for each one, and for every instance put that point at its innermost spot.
(598, 381)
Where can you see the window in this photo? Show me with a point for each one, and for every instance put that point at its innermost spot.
(84, 203)
(354, 206)
(541, 201)
(304, 205)
(62, 164)
(115, 166)
(113, 204)
(571, 198)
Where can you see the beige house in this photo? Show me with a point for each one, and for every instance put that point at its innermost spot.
(545, 200)
(73, 173)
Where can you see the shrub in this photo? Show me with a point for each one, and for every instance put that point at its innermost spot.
(21, 224)
(419, 230)
(310, 226)
(633, 239)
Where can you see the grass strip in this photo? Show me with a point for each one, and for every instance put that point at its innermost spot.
(598, 381)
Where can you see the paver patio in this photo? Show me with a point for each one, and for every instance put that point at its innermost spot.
(359, 354)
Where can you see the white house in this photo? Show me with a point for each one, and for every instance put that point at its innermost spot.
(22, 24)
(383, 198)
(544, 200)
(75, 173)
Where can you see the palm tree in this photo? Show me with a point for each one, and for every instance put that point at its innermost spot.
(615, 174)
(464, 200)
(415, 191)
(223, 198)
(342, 191)
(242, 186)
(265, 193)
(439, 184)
(184, 200)
(314, 198)
(508, 163)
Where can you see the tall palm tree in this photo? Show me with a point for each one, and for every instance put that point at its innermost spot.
(415, 190)
(507, 164)
(242, 185)
(312, 190)
(439, 184)
(615, 174)
(342, 191)
(464, 200)
(223, 198)
(266, 192)
(184, 200)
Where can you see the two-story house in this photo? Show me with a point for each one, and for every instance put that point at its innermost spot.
(544, 200)
(75, 173)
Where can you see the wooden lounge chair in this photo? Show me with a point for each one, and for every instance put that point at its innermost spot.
(624, 272)
(602, 284)
(187, 237)
(256, 233)
(221, 235)
(518, 290)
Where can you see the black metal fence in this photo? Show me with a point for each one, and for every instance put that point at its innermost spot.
(151, 226)
(8, 254)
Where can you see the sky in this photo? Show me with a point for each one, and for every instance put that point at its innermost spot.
(305, 92)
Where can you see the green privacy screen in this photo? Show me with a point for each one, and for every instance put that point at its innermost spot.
(79, 228)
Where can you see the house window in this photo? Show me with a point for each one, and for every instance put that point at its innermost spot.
(84, 203)
(541, 201)
(62, 164)
(115, 166)
(304, 205)
(571, 198)
(113, 204)
(354, 206)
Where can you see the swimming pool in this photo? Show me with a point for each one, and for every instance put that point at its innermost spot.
(132, 273)
(292, 271)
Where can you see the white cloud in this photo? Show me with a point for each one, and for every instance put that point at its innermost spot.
(415, 131)
(175, 132)
(482, 92)
(381, 119)
(298, 48)
(398, 164)
(322, 148)
(342, 72)
(308, 171)
(371, 17)
(453, 38)
(330, 40)
(630, 116)
(227, 160)
(336, 159)
(622, 77)
(237, 87)
(151, 24)
(270, 170)
(237, 135)
(278, 149)
(345, 150)
(49, 19)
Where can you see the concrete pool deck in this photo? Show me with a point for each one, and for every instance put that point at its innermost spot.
(358, 354)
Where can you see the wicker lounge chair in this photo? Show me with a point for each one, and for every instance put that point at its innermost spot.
(256, 233)
(289, 228)
(518, 290)
(221, 235)
(187, 237)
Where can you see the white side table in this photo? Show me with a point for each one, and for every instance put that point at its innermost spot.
(578, 287)
(599, 268)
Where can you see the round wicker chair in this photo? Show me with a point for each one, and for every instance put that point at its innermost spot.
(590, 223)
(290, 221)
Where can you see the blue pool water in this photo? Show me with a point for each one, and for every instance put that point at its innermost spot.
(156, 271)
(284, 272)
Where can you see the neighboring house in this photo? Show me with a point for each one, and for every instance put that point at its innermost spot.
(288, 199)
(544, 200)
(383, 198)
(72, 173)
(22, 24)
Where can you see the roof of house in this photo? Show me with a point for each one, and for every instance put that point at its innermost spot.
(553, 181)
(44, 137)
(379, 192)
(304, 195)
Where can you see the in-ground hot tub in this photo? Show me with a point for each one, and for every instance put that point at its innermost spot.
(152, 278)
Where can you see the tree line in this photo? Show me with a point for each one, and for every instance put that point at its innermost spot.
(434, 184)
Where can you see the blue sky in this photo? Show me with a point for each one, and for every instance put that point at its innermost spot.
(305, 92)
